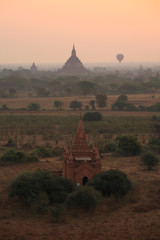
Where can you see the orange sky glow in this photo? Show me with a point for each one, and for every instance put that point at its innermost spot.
(45, 30)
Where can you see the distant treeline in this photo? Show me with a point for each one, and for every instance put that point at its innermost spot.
(49, 84)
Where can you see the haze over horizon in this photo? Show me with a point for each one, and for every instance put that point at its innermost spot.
(45, 30)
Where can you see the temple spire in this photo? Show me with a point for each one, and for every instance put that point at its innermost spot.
(81, 138)
(73, 51)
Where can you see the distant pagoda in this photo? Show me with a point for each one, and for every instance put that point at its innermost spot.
(73, 65)
(33, 68)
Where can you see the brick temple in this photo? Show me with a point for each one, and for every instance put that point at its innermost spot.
(81, 162)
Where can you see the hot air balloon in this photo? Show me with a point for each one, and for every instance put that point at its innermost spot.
(120, 57)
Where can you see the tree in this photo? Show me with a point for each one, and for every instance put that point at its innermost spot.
(128, 145)
(58, 104)
(121, 104)
(92, 116)
(92, 104)
(149, 160)
(75, 105)
(101, 100)
(33, 106)
(42, 92)
(4, 107)
(111, 183)
(123, 98)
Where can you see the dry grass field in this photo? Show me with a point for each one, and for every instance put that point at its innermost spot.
(136, 217)
(48, 103)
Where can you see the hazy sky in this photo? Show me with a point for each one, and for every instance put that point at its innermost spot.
(45, 30)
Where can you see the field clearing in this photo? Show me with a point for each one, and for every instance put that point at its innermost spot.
(136, 217)
(48, 103)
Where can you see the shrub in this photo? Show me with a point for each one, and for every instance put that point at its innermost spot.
(92, 116)
(13, 156)
(4, 107)
(128, 145)
(32, 188)
(43, 151)
(33, 106)
(85, 198)
(111, 183)
(25, 187)
(149, 160)
(58, 189)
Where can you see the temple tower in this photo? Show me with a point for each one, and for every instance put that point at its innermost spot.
(81, 162)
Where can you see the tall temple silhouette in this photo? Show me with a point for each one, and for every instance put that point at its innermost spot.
(73, 65)
(81, 162)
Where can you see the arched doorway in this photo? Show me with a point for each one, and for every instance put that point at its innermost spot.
(84, 180)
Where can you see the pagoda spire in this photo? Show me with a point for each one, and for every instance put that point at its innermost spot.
(81, 138)
(73, 51)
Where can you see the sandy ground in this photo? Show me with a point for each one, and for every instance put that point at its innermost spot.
(136, 217)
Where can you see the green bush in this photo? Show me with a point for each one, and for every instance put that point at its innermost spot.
(85, 198)
(149, 160)
(58, 189)
(43, 151)
(40, 188)
(154, 141)
(4, 107)
(13, 156)
(128, 145)
(111, 183)
(92, 116)
(34, 106)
